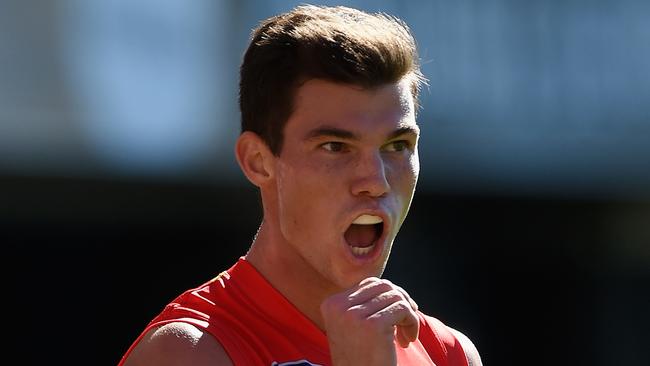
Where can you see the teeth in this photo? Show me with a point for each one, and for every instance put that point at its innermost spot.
(367, 220)
(361, 251)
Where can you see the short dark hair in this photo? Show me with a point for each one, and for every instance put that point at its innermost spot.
(337, 44)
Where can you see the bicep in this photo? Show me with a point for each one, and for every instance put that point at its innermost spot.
(471, 353)
(176, 344)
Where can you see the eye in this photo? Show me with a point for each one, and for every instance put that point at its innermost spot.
(334, 146)
(397, 146)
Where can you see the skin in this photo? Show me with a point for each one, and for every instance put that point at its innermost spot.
(347, 151)
(176, 344)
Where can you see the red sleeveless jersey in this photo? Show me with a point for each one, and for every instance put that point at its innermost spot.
(256, 325)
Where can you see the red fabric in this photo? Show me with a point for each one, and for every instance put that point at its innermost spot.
(440, 343)
(256, 325)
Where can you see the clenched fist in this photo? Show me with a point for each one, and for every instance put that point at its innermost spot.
(363, 323)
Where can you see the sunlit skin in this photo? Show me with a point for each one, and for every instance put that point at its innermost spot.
(346, 151)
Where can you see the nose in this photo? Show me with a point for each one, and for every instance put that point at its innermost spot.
(370, 176)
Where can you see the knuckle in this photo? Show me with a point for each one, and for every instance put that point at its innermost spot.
(384, 285)
(389, 297)
(403, 305)
(374, 322)
(353, 314)
(369, 280)
(397, 295)
(398, 306)
(386, 282)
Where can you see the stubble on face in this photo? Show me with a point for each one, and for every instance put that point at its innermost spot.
(324, 179)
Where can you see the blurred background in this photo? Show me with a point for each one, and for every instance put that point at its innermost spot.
(530, 230)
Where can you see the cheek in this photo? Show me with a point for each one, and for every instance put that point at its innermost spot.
(404, 176)
(415, 168)
(413, 174)
(304, 192)
(291, 199)
(404, 180)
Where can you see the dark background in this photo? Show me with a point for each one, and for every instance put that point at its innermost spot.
(530, 229)
(548, 281)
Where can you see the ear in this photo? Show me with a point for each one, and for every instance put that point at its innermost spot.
(255, 158)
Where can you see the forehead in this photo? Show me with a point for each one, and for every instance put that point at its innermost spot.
(349, 106)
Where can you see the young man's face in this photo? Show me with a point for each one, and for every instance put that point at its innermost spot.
(346, 176)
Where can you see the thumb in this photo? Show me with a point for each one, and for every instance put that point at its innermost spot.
(407, 331)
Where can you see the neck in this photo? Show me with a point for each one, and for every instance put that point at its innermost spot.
(289, 273)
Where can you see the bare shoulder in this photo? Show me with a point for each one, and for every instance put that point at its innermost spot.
(178, 343)
(473, 358)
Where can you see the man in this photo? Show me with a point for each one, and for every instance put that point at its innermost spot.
(328, 99)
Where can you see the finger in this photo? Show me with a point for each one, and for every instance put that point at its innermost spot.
(409, 327)
(378, 302)
(414, 305)
(370, 288)
(401, 339)
(368, 280)
(401, 315)
(408, 333)
(373, 281)
(365, 283)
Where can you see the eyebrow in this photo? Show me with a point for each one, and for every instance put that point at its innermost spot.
(327, 131)
(406, 130)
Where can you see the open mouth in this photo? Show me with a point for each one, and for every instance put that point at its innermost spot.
(363, 234)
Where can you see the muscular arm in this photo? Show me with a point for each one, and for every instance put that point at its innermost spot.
(176, 344)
